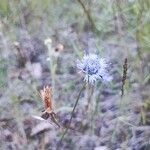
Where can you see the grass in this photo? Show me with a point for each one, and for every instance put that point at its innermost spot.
(113, 29)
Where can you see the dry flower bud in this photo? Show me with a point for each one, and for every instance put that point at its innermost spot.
(59, 48)
(46, 95)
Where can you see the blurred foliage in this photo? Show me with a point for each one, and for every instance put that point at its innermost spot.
(116, 28)
(3, 72)
(135, 14)
(4, 8)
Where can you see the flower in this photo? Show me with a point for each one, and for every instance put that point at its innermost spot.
(93, 67)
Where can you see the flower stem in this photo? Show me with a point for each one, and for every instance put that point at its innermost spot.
(77, 100)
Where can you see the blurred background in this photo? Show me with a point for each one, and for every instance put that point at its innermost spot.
(40, 43)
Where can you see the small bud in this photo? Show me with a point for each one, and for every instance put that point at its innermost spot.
(48, 41)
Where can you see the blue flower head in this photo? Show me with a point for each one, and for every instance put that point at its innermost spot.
(93, 67)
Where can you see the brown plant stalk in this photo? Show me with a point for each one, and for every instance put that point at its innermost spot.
(124, 77)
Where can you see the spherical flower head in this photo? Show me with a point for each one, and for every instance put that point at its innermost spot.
(93, 67)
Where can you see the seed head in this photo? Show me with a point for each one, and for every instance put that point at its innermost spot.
(46, 95)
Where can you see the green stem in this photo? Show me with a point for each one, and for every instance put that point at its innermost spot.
(89, 17)
(77, 100)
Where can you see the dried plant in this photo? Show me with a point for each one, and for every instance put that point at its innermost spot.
(46, 95)
(124, 77)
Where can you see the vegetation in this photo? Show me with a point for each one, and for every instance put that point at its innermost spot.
(41, 42)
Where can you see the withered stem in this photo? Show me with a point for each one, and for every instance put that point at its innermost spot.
(124, 77)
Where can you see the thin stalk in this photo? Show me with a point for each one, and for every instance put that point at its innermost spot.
(90, 91)
(89, 17)
(92, 104)
(97, 104)
(121, 104)
(77, 100)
